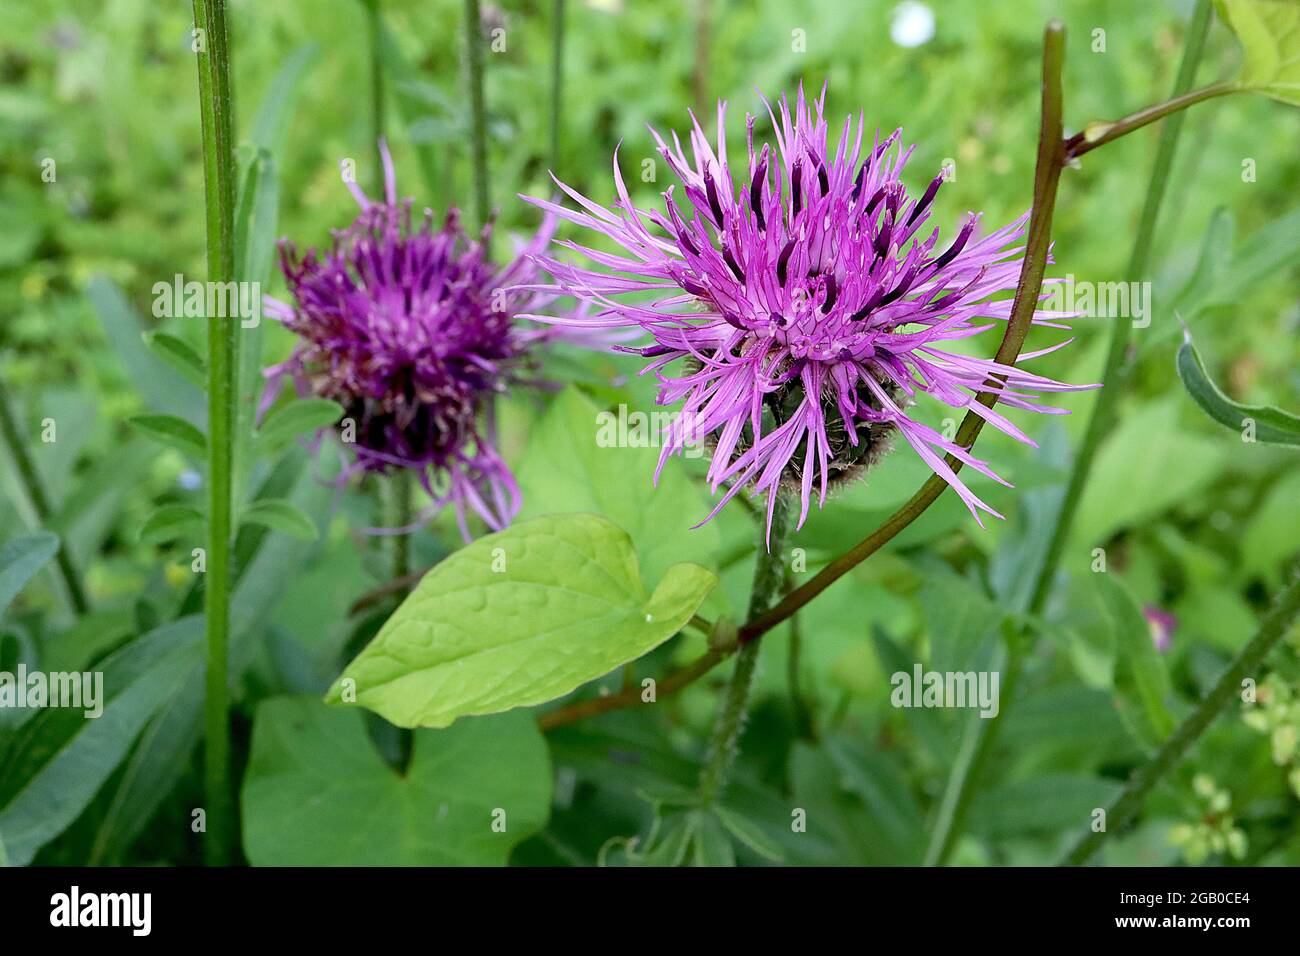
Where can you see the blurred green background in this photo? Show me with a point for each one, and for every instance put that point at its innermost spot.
(107, 89)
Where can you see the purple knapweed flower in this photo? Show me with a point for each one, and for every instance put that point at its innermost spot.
(412, 331)
(808, 303)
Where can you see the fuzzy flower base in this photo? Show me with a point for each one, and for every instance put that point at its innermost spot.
(811, 301)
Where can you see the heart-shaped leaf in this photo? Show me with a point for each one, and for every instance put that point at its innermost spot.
(518, 618)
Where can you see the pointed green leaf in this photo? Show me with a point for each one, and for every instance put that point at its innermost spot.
(171, 522)
(518, 618)
(297, 417)
(177, 353)
(280, 514)
(20, 559)
(1141, 680)
(1269, 424)
(173, 432)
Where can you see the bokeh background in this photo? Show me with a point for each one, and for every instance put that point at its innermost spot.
(1196, 523)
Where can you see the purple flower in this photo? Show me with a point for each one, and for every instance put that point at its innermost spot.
(412, 331)
(1161, 624)
(809, 302)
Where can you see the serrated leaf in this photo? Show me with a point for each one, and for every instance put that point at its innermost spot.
(280, 514)
(173, 432)
(20, 559)
(171, 522)
(518, 618)
(1269, 31)
(317, 793)
(297, 417)
(1271, 425)
(177, 353)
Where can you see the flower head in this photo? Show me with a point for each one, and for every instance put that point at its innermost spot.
(412, 331)
(1161, 623)
(810, 301)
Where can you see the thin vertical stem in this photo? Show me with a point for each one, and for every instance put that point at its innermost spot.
(478, 118)
(557, 81)
(30, 479)
(1047, 178)
(700, 69)
(1103, 412)
(1271, 630)
(219, 178)
(768, 575)
(374, 29)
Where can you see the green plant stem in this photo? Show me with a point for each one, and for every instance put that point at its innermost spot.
(478, 118)
(1271, 630)
(375, 34)
(980, 733)
(976, 744)
(557, 81)
(769, 573)
(1099, 134)
(30, 479)
(219, 180)
(1103, 412)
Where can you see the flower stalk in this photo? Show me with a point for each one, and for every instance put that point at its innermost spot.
(478, 118)
(769, 573)
(219, 180)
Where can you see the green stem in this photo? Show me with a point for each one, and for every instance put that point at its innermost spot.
(980, 735)
(219, 178)
(374, 29)
(30, 479)
(769, 572)
(1103, 412)
(557, 81)
(478, 118)
(976, 744)
(1273, 628)
(1099, 134)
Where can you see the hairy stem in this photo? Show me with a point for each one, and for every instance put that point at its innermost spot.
(1273, 628)
(1103, 412)
(30, 479)
(219, 180)
(769, 573)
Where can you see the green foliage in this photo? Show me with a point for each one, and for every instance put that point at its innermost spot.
(1255, 422)
(519, 618)
(318, 794)
(1269, 31)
